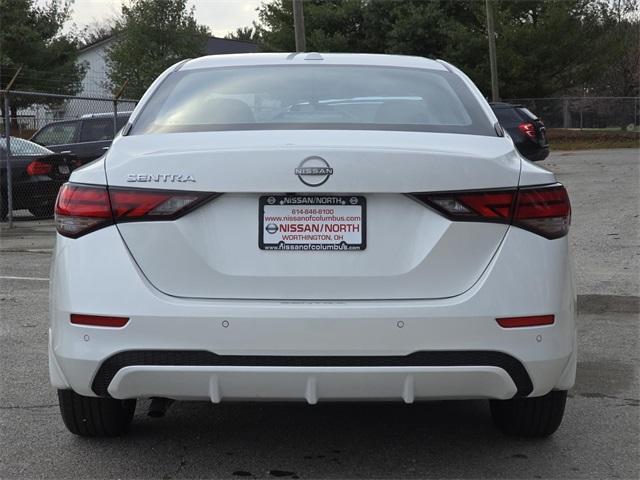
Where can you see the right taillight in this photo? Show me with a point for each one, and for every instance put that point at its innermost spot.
(81, 209)
(544, 210)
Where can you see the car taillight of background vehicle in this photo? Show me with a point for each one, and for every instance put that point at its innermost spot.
(544, 210)
(39, 168)
(529, 130)
(81, 209)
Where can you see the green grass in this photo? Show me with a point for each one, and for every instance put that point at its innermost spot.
(591, 139)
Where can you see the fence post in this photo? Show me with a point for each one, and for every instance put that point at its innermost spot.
(115, 117)
(7, 133)
(566, 116)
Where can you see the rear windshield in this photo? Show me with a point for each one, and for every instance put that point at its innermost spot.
(21, 147)
(313, 97)
(100, 129)
(528, 113)
(508, 117)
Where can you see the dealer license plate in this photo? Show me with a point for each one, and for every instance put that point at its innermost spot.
(312, 222)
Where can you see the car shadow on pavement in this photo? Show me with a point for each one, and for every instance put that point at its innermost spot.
(340, 440)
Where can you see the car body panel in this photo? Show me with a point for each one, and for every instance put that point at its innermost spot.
(206, 259)
(189, 289)
(295, 328)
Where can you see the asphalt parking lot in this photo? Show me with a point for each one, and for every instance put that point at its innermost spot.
(599, 437)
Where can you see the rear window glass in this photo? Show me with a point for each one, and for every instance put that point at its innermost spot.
(100, 129)
(508, 117)
(313, 97)
(57, 134)
(528, 113)
(23, 147)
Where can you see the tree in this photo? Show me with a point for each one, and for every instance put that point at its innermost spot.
(151, 35)
(622, 69)
(544, 46)
(31, 36)
(96, 32)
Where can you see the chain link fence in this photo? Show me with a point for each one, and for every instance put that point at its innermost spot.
(615, 113)
(53, 134)
(50, 136)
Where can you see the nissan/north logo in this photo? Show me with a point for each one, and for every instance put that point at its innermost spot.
(313, 171)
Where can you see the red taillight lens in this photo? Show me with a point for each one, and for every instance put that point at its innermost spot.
(489, 206)
(534, 321)
(38, 168)
(138, 204)
(81, 209)
(98, 320)
(529, 130)
(543, 210)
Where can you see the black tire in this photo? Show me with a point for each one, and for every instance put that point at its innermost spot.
(42, 211)
(534, 417)
(93, 416)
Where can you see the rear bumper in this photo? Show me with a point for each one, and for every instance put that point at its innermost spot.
(419, 375)
(313, 350)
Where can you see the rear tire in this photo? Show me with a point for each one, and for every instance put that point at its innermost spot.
(534, 417)
(95, 417)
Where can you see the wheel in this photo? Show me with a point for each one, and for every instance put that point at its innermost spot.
(529, 417)
(95, 417)
(42, 211)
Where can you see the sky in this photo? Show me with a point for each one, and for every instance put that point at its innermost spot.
(221, 16)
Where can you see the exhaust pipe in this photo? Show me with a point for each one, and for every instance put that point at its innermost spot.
(158, 406)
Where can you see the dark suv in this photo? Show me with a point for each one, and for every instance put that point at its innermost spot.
(88, 137)
(525, 128)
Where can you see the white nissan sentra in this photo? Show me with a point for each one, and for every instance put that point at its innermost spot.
(312, 227)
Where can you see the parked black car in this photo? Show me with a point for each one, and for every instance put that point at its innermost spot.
(525, 128)
(36, 173)
(88, 137)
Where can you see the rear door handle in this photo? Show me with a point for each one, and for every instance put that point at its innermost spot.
(105, 148)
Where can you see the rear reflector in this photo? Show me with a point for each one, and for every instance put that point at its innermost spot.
(38, 168)
(543, 210)
(81, 209)
(534, 321)
(98, 320)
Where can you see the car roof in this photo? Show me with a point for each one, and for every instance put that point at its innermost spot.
(306, 58)
(103, 115)
(504, 105)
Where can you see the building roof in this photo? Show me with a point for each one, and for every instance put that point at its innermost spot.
(214, 45)
(221, 46)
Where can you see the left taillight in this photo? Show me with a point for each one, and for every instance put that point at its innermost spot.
(81, 209)
(544, 210)
(528, 129)
(39, 168)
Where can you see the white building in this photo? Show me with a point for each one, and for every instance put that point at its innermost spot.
(94, 58)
